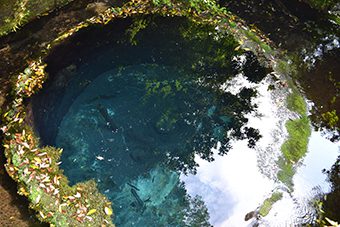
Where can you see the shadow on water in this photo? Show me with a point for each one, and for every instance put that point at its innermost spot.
(312, 42)
(291, 24)
(135, 116)
(332, 202)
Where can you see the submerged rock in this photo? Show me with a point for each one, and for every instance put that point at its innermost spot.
(250, 215)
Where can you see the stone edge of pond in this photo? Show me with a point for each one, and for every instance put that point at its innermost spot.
(36, 169)
(24, 11)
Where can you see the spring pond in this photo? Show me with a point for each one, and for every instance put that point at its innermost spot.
(175, 124)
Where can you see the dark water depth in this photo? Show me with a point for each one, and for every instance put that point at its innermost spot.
(134, 114)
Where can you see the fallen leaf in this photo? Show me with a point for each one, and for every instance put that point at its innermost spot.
(108, 211)
(92, 211)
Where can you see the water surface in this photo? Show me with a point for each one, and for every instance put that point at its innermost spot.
(153, 121)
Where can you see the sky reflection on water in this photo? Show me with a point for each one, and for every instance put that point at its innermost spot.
(232, 185)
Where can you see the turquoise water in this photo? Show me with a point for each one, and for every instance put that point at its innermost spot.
(131, 129)
(136, 117)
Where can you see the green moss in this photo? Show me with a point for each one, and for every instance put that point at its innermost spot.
(286, 173)
(283, 67)
(252, 36)
(14, 14)
(266, 47)
(296, 145)
(296, 103)
(268, 203)
(232, 24)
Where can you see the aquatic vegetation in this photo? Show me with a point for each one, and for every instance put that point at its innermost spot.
(268, 203)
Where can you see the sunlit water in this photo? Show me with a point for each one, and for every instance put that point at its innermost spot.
(148, 128)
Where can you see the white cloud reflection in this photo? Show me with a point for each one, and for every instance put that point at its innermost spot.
(234, 185)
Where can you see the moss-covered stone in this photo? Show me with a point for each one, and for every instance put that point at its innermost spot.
(36, 169)
(296, 145)
(268, 203)
(14, 14)
(296, 103)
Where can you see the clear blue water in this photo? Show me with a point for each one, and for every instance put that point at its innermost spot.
(135, 117)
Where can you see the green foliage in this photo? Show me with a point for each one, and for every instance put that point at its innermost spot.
(331, 118)
(19, 17)
(251, 35)
(165, 87)
(197, 215)
(179, 85)
(322, 4)
(268, 203)
(335, 18)
(138, 24)
(213, 50)
(266, 47)
(161, 2)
